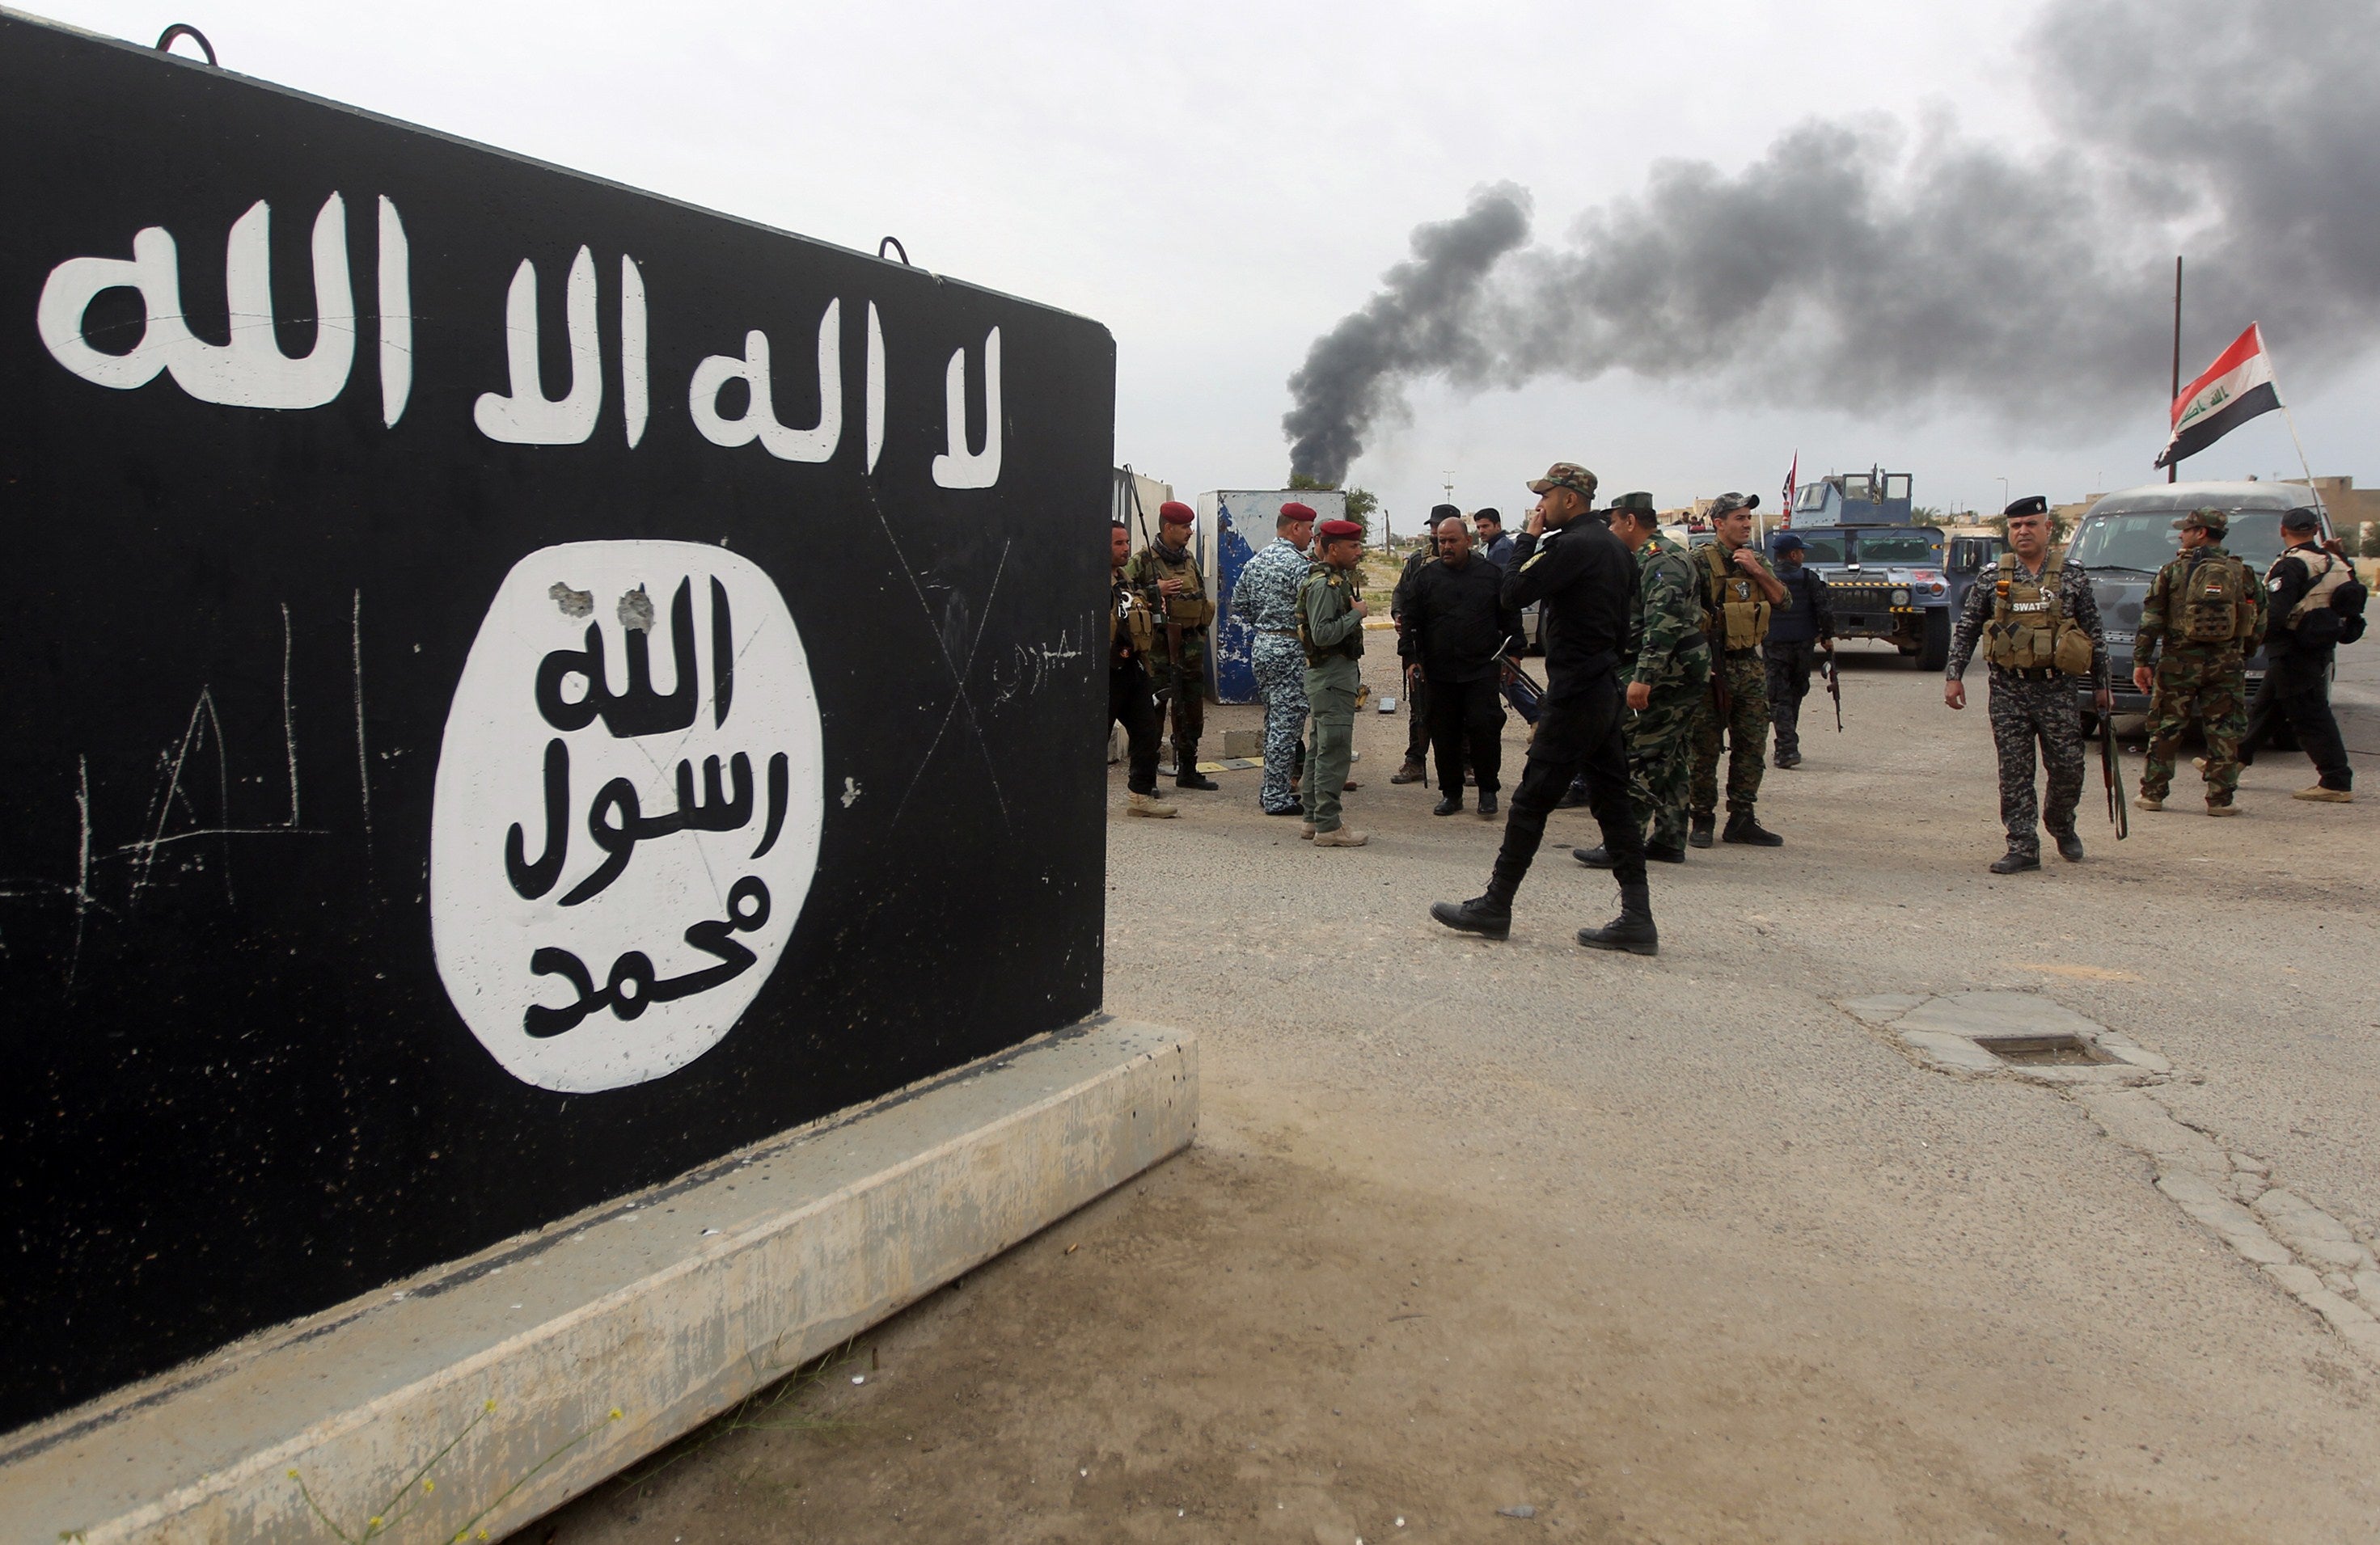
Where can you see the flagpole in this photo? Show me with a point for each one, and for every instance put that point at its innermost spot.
(2173, 467)
(2291, 419)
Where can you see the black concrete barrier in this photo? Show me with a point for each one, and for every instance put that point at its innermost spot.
(515, 687)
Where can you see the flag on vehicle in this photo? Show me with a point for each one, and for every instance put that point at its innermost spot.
(1785, 510)
(2236, 387)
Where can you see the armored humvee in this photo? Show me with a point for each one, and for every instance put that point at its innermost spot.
(1887, 576)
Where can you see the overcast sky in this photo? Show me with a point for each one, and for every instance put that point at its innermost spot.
(1219, 183)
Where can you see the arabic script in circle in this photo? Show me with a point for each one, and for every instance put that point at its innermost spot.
(627, 809)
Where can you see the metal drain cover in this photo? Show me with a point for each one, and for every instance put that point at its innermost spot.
(2019, 1033)
(2044, 1051)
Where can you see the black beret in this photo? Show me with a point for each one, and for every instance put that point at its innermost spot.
(2031, 505)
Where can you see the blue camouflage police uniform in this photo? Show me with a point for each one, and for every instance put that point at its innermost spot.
(1266, 599)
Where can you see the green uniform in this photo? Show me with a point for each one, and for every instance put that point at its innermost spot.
(1735, 705)
(1177, 665)
(1668, 653)
(1333, 638)
(2194, 601)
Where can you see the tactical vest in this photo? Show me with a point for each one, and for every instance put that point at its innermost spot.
(1189, 610)
(2327, 583)
(1129, 615)
(2214, 599)
(1350, 648)
(1735, 614)
(2030, 630)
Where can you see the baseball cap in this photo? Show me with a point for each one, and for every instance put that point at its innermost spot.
(1567, 474)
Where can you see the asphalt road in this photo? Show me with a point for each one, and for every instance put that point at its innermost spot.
(1673, 1248)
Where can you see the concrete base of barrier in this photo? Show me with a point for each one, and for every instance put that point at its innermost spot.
(492, 1390)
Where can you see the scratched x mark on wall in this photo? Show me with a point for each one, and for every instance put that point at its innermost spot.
(521, 687)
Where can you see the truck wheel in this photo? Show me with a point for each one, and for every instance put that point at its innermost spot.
(1935, 653)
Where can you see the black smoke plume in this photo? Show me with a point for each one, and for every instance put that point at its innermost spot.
(1859, 267)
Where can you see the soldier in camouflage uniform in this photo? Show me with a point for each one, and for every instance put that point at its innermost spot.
(2040, 627)
(2206, 612)
(1737, 592)
(1330, 612)
(1668, 666)
(1168, 578)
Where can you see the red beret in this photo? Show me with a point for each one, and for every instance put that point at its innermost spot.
(1174, 512)
(1335, 531)
(1294, 511)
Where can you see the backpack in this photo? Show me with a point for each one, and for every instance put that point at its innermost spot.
(2215, 596)
(2331, 611)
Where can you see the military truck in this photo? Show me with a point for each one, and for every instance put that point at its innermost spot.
(2124, 538)
(1887, 576)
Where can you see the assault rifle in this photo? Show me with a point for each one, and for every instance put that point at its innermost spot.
(2111, 774)
(1835, 687)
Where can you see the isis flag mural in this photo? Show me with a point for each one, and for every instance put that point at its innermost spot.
(2239, 386)
(518, 688)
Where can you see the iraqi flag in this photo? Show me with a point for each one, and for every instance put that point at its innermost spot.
(2236, 387)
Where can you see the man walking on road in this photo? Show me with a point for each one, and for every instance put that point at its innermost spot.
(2205, 611)
(1266, 599)
(1330, 626)
(1738, 595)
(2042, 626)
(1669, 665)
(1130, 636)
(1456, 617)
(1799, 631)
(1568, 562)
(2301, 639)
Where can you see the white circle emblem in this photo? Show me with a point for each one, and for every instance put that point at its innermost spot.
(629, 796)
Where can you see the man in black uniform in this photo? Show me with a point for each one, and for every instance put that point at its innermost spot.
(2299, 645)
(1456, 616)
(1409, 656)
(1799, 630)
(1585, 582)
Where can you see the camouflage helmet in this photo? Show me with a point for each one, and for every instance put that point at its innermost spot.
(1567, 474)
(2207, 519)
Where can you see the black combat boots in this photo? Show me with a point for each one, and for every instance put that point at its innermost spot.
(1185, 769)
(1490, 916)
(1655, 852)
(1632, 929)
(1451, 806)
(2016, 861)
(1743, 826)
(2070, 846)
(1698, 833)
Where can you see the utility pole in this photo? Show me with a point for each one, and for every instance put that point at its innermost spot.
(2173, 467)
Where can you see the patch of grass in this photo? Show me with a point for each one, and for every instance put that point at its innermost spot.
(764, 1410)
(421, 1484)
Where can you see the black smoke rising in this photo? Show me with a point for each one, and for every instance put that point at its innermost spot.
(1858, 267)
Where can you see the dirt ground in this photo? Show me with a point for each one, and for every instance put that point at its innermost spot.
(1489, 1241)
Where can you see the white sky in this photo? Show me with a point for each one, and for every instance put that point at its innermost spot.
(1219, 182)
